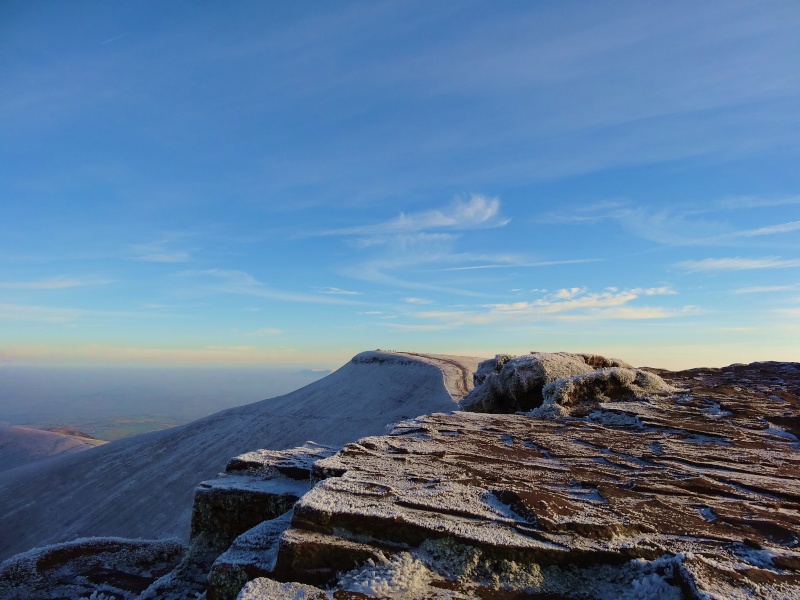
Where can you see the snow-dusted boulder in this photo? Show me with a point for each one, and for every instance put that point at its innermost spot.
(88, 568)
(581, 394)
(507, 385)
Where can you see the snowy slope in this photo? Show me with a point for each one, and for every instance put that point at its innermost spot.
(23, 445)
(143, 486)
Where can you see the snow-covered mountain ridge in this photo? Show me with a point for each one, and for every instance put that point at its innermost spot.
(573, 476)
(142, 486)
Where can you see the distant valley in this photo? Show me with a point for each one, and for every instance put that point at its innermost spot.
(115, 403)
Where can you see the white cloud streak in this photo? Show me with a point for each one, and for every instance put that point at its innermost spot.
(335, 291)
(522, 265)
(232, 281)
(67, 315)
(568, 304)
(764, 289)
(159, 252)
(772, 229)
(54, 283)
(478, 212)
(672, 227)
(571, 299)
(736, 264)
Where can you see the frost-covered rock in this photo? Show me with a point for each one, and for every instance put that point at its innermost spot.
(252, 555)
(91, 568)
(267, 589)
(507, 385)
(582, 394)
(641, 500)
(237, 519)
(636, 493)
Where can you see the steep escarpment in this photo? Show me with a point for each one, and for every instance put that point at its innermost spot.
(143, 486)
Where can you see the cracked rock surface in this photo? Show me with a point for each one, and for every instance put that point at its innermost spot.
(691, 494)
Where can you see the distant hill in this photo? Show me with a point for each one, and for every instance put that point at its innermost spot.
(143, 486)
(24, 445)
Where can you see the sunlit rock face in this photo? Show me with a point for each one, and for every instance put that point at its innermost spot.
(683, 485)
(237, 519)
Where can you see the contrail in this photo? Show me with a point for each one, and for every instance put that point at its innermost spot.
(114, 39)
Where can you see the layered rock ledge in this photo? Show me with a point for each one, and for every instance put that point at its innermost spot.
(688, 492)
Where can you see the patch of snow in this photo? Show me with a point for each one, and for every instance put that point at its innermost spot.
(587, 494)
(759, 557)
(715, 412)
(707, 513)
(775, 430)
(275, 485)
(615, 418)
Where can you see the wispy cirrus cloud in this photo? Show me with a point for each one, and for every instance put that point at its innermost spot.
(41, 314)
(736, 264)
(571, 299)
(479, 212)
(413, 300)
(675, 226)
(764, 289)
(404, 252)
(567, 304)
(233, 281)
(67, 315)
(518, 264)
(160, 251)
(54, 283)
(741, 202)
(335, 291)
(772, 229)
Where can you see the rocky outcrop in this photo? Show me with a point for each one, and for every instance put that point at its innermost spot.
(688, 495)
(236, 518)
(580, 395)
(507, 384)
(621, 483)
(106, 567)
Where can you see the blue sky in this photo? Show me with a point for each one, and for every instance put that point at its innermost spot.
(292, 183)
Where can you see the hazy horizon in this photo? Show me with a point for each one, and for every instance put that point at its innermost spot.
(114, 402)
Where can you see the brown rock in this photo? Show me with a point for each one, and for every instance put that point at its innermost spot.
(675, 494)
